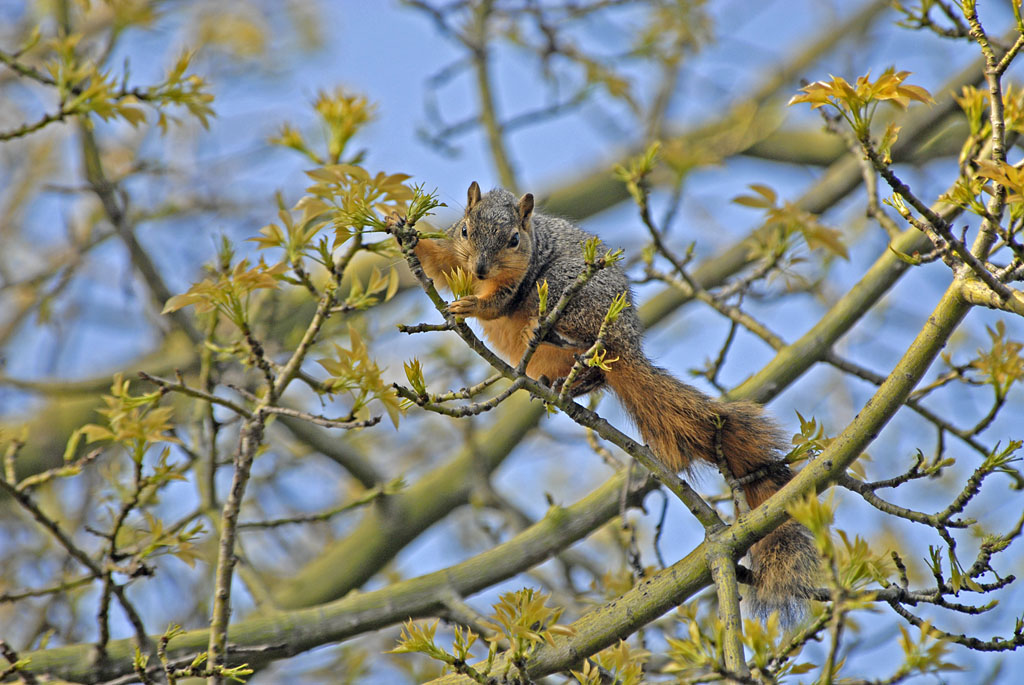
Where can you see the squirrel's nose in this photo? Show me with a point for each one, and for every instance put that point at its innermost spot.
(481, 269)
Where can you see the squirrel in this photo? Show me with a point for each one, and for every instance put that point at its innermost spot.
(509, 249)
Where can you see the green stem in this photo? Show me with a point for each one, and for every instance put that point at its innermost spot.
(488, 114)
(249, 441)
(721, 561)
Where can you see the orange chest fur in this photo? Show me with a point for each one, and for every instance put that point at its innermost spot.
(509, 336)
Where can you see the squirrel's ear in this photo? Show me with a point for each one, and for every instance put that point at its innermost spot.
(525, 209)
(473, 196)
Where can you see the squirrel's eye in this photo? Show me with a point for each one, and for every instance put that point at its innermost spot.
(465, 233)
(514, 240)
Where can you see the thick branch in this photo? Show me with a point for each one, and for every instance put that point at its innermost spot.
(287, 633)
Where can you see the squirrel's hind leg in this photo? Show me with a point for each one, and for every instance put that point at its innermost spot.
(590, 380)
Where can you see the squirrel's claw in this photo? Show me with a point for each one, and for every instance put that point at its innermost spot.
(590, 380)
(397, 225)
(464, 306)
(394, 222)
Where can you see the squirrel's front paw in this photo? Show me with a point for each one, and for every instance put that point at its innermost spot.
(465, 306)
(394, 223)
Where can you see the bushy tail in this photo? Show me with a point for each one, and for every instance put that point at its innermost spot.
(678, 422)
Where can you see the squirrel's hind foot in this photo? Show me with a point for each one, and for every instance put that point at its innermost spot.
(590, 380)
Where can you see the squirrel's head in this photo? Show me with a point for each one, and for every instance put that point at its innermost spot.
(493, 239)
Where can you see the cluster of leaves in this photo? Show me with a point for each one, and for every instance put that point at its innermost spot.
(355, 372)
(976, 103)
(184, 90)
(296, 237)
(1006, 175)
(229, 291)
(598, 357)
(366, 199)
(925, 655)
(622, 663)
(342, 114)
(378, 288)
(414, 373)
(344, 195)
(852, 563)
(792, 219)
(809, 442)
(700, 650)
(1001, 365)
(137, 423)
(197, 668)
(857, 102)
(460, 282)
(155, 537)
(981, 177)
(635, 172)
(84, 89)
(524, 620)
(357, 200)
(132, 420)
(851, 566)
(672, 30)
(592, 245)
(520, 619)
(418, 638)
